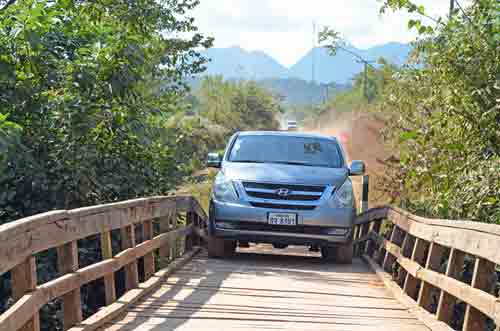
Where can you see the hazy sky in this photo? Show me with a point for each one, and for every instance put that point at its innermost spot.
(283, 28)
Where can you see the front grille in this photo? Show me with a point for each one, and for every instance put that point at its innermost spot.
(291, 197)
(281, 206)
(292, 187)
(295, 192)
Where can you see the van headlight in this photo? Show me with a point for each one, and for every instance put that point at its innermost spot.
(223, 189)
(343, 197)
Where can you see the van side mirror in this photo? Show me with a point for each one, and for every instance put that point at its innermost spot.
(214, 160)
(357, 168)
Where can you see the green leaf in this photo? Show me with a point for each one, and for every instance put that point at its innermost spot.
(404, 136)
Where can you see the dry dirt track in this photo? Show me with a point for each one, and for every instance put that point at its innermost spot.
(264, 289)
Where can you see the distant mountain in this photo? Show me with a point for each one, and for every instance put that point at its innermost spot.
(343, 66)
(235, 62)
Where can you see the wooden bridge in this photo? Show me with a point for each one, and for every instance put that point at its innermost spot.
(411, 274)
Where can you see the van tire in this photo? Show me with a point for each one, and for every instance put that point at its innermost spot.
(341, 254)
(220, 248)
(344, 253)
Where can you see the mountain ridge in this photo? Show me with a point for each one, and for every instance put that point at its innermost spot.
(236, 63)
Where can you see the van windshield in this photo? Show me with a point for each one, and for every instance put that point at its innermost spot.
(306, 151)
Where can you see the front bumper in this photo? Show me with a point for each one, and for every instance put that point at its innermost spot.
(314, 227)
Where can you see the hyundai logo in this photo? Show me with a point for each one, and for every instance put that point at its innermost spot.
(283, 192)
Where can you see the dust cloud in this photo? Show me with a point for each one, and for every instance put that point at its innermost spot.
(360, 135)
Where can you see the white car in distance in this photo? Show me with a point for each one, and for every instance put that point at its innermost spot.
(291, 126)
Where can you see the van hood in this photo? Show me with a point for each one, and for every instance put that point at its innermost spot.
(284, 173)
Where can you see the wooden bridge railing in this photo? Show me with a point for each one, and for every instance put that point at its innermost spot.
(425, 257)
(168, 226)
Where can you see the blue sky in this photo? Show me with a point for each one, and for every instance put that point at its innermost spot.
(283, 28)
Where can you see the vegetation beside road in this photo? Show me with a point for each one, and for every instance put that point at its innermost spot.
(441, 114)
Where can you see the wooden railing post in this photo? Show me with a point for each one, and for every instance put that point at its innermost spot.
(197, 240)
(190, 219)
(474, 319)
(131, 273)
(149, 258)
(411, 283)
(174, 224)
(404, 247)
(447, 301)
(23, 281)
(364, 193)
(370, 246)
(165, 249)
(433, 263)
(396, 237)
(109, 279)
(67, 259)
(362, 230)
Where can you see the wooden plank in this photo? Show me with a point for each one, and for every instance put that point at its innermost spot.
(24, 281)
(482, 240)
(149, 259)
(197, 209)
(447, 301)
(188, 243)
(67, 259)
(482, 301)
(242, 290)
(365, 229)
(109, 279)
(23, 238)
(198, 224)
(411, 283)
(164, 251)
(389, 258)
(372, 214)
(375, 228)
(406, 300)
(404, 246)
(107, 313)
(23, 309)
(433, 263)
(475, 319)
(131, 272)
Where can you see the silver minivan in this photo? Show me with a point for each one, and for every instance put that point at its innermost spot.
(283, 188)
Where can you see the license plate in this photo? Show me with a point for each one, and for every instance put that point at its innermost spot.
(282, 219)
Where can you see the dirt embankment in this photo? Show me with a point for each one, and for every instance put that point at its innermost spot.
(360, 134)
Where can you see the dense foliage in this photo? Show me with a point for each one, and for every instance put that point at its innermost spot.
(442, 112)
(88, 83)
(444, 116)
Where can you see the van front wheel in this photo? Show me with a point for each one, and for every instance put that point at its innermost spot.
(220, 248)
(341, 254)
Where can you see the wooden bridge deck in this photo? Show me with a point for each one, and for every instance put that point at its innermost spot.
(264, 289)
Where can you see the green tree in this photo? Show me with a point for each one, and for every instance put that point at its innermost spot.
(238, 105)
(87, 82)
(444, 115)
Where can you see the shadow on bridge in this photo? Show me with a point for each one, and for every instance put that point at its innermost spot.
(259, 289)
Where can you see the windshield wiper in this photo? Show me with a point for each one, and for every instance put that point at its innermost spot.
(246, 161)
(296, 163)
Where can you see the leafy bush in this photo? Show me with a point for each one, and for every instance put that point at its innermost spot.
(89, 83)
(445, 116)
